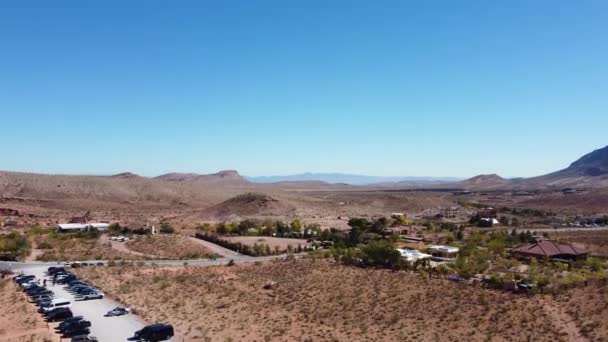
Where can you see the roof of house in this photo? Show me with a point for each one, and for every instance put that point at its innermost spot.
(412, 254)
(443, 248)
(82, 225)
(550, 248)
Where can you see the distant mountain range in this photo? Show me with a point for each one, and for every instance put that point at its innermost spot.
(352, 179)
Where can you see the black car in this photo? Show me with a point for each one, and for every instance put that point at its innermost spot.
(74, 325)
(76, 332)
(154, 333)
(58, 314)
(33, 292)
(52, 270)
(68, 278)
(70, 320)
(41, 292)
(23, 278)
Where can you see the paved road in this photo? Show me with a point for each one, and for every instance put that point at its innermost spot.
(565, 229)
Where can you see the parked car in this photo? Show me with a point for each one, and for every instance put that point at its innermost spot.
(22, 278)
(74, 326)
(154, 333)
(55, 303)
(52, 270)
(69, 320)
(58, 314)
(84, 338)
(76, 331)
(118, 311)
(92, 295)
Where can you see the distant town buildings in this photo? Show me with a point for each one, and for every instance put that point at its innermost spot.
(73, 227)
(451, 212)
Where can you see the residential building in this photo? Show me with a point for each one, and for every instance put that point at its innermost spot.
(71, 227)
(547, 249)
(442, 251)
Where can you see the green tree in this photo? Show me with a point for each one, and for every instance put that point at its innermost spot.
(381, 253)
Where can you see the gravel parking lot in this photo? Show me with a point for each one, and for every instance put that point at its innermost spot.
(106, 329)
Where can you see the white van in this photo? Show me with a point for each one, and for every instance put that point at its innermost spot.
(55, 303)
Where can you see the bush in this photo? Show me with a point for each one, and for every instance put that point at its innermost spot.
(166, 228)
(13, 246)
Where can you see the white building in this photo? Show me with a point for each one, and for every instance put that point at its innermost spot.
(412, 255)
(442, 251)
(73, 227)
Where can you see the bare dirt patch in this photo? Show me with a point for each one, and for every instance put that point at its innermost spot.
(588, 307)
(80, 249)
(595, 241)
(19, 321)
(314, 300)
(273, 242)
(168, 246)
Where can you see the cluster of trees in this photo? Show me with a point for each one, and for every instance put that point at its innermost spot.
(116, 228)
(255, 250)
(362, 231)
(377, 253)
(295, 229)
(13, 246)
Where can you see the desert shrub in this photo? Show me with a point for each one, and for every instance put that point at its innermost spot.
(44, 245)
(13, 246)
(166, 228)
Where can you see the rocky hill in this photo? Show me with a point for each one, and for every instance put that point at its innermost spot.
(226, 176)
(249, 204)
(590, 171)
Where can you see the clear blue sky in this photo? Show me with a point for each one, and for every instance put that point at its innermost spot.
(402, 88)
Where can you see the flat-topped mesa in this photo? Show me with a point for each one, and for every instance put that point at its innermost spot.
(222, 176)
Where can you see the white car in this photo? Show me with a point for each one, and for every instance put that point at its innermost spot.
(95, 295)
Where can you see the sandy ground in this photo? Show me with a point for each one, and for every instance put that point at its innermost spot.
(106, 329)
(168, 246)
(122, 247)
(273, 242)
(218, 250)
(308, 300)
(19, 321)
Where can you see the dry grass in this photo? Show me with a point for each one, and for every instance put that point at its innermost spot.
(168, 246)
(273, 242)
(315, 300)
(19, 321)
(596, 241)
(82, 249)
(588, 306)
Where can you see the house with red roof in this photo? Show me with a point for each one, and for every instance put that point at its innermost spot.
(550, 249)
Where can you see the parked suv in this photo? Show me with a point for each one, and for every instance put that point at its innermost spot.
(58, 314)
(154, 333)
